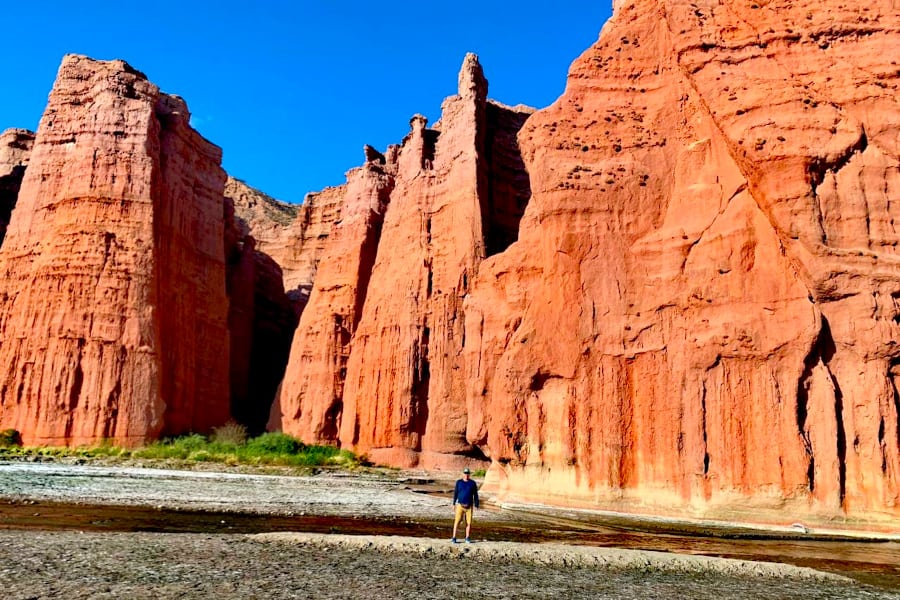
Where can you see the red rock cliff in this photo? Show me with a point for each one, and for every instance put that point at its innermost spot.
(15, 150)
(701, 314)
(273, 251)
(294, 236)
(112, 275)
(261, 323)
(311, 398)
(376, 363)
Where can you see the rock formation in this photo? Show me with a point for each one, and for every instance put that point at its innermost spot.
(311, 399)
(293, 236)
(696, 314)
(415, 224)
(261, 321)
(113, 313)
(15, 150)
(700, 316)
(260, 215)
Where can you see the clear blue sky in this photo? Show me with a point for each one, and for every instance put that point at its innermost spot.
(292, 90)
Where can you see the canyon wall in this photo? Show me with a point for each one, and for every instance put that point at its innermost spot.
(294, 236)
(113, 312)
(673, 291)
(261, 323)
(376, 363)
(273, 250)
(15, 150)
(700, 316)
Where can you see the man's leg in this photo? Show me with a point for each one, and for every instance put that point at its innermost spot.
(469, 514)
(457, 516)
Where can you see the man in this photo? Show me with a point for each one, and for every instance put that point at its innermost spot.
(465, 499)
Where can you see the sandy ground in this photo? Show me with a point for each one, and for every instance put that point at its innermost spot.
(168, 566)
(35, 563)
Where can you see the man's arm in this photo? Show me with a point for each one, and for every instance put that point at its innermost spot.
(455, 492)
(475, 496)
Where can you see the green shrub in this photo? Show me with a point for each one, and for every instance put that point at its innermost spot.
(267, 449)
(230, 434)
(10, 437)
(180, 447)
(194, 441)
(276, 443)
(202, 456)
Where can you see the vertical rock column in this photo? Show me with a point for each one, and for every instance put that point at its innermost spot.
(112, 293)
(311, 399)
(190, 275)
(376, 364)
(404, 401)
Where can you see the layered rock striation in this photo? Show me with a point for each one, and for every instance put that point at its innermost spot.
(294, 236)
(261, 321)
(674, 291)
(376, 363)
(113, 310)
(700, 316)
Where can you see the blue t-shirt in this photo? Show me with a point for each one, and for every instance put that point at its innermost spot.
(466, 493)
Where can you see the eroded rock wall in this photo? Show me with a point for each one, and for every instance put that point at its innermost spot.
(15, 150)
(112, 276)
(294, 236)
(261, 317)
(311, 398)
(273, 251)
(376, 364)
(700, 315)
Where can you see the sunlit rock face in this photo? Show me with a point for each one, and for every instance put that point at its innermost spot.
(700, 316)
(293, 235)
(113, 307)
(376, 363)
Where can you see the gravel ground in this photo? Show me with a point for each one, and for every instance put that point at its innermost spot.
(162, 566)
(37, 563)
(338, 493)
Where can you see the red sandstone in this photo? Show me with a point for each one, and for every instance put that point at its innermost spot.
(377, 359)
(112, 274)
(700, 315)
(697, 314)
(15, 150)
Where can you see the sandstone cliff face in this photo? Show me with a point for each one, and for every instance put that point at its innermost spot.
(273, 250)
(259, 215)
(376, 362)
(15, 150)
(701, 314)
(311, 398)
(261, 323)
(294, 236)
(112, 275)
(305, 241)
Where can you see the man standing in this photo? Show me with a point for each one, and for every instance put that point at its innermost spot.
(465, 499)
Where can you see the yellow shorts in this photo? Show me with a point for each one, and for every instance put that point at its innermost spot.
(463, 512)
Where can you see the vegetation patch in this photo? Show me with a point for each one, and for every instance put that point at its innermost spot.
(228, 446)
(10, 437)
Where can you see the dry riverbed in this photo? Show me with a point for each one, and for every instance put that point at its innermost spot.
(87, 531)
